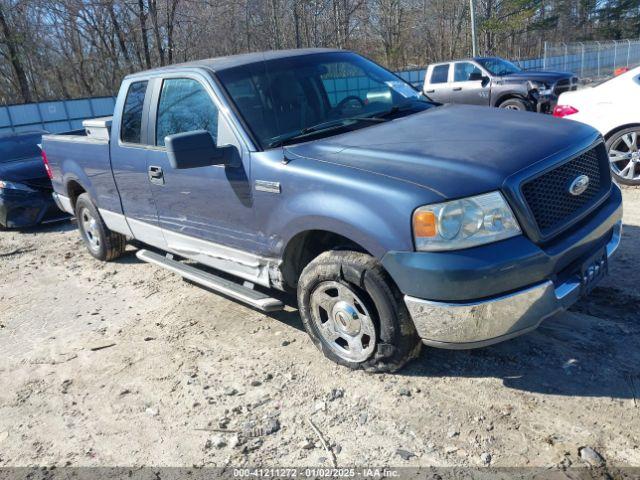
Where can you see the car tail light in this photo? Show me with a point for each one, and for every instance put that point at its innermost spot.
(564, 111)
(46, 165)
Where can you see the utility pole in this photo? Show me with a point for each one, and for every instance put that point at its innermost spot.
(473, 28)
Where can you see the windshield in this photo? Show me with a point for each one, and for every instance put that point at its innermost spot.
(498, 66)
(288, 99)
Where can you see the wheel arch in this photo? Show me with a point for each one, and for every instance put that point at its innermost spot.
(76, 182)
(74, 190)
(509, 95)
(619, 128)
(306, 245)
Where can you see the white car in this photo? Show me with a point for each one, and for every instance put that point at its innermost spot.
(613, 108)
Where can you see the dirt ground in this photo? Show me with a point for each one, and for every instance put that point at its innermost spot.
(124, 364)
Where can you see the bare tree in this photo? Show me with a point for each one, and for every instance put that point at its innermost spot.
(71, 48)
(11, 42)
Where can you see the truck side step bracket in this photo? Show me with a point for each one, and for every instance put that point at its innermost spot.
(234, 290)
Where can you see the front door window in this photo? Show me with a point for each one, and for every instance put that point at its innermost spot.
(185, 106)
(463, 70)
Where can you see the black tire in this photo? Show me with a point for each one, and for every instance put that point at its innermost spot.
(515, 104)
(396, 339)
(101, 242)
(613, 140)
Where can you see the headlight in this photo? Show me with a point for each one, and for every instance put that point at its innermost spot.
(15, 186)
(464, 223)
(541, 87)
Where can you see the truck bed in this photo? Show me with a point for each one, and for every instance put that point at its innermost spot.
(75, 136)
(84, 159)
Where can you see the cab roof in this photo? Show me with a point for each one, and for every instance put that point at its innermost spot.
(222, 63)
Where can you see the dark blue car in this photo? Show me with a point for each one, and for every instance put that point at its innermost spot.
(394, 220)
(25, 187)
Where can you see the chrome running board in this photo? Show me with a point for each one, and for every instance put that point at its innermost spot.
(229, 288)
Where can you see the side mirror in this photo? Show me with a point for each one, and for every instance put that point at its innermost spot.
(476, 77)
(196, 149)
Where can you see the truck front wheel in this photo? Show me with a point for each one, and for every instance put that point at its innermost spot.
(354, 313)
(515, 104)
(101, 242)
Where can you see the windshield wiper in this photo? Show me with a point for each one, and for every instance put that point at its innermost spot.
(338, 123)
(323, 127)
(395, 109)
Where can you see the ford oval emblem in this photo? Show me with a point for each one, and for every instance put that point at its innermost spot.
(579, 185)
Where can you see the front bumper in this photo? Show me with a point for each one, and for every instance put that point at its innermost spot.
(545, 103)
(477, 324)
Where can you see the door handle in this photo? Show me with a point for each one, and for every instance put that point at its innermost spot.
(430, 91)
(156, 175)
(155, 172)
(457, 89)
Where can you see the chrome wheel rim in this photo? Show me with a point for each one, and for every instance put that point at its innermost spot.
(511, 107)
(624, 157)
(343, 321)
(90, 229)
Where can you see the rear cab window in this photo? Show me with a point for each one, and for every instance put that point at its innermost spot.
(440, 74)
(131, 126)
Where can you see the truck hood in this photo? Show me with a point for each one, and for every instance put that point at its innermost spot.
(537, 76)
(453, 150)
(29, 171)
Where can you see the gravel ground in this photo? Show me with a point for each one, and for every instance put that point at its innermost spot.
(124, 364)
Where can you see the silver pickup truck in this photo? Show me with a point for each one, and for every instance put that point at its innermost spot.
(494, 82)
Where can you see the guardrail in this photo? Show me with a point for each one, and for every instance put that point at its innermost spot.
(56, 116)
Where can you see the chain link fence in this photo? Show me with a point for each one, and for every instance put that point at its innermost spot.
(589, 60)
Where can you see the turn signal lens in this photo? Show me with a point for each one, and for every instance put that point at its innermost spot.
(424, 224)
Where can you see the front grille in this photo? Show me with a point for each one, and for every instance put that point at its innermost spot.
(566, 85)
(548, 196)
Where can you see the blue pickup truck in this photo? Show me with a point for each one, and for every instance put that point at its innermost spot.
(397, 221)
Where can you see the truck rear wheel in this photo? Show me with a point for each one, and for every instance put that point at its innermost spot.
(101, 242)
(355, 314)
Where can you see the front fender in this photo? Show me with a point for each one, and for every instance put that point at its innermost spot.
(376, 228)
(502, 92)
(369, 209)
